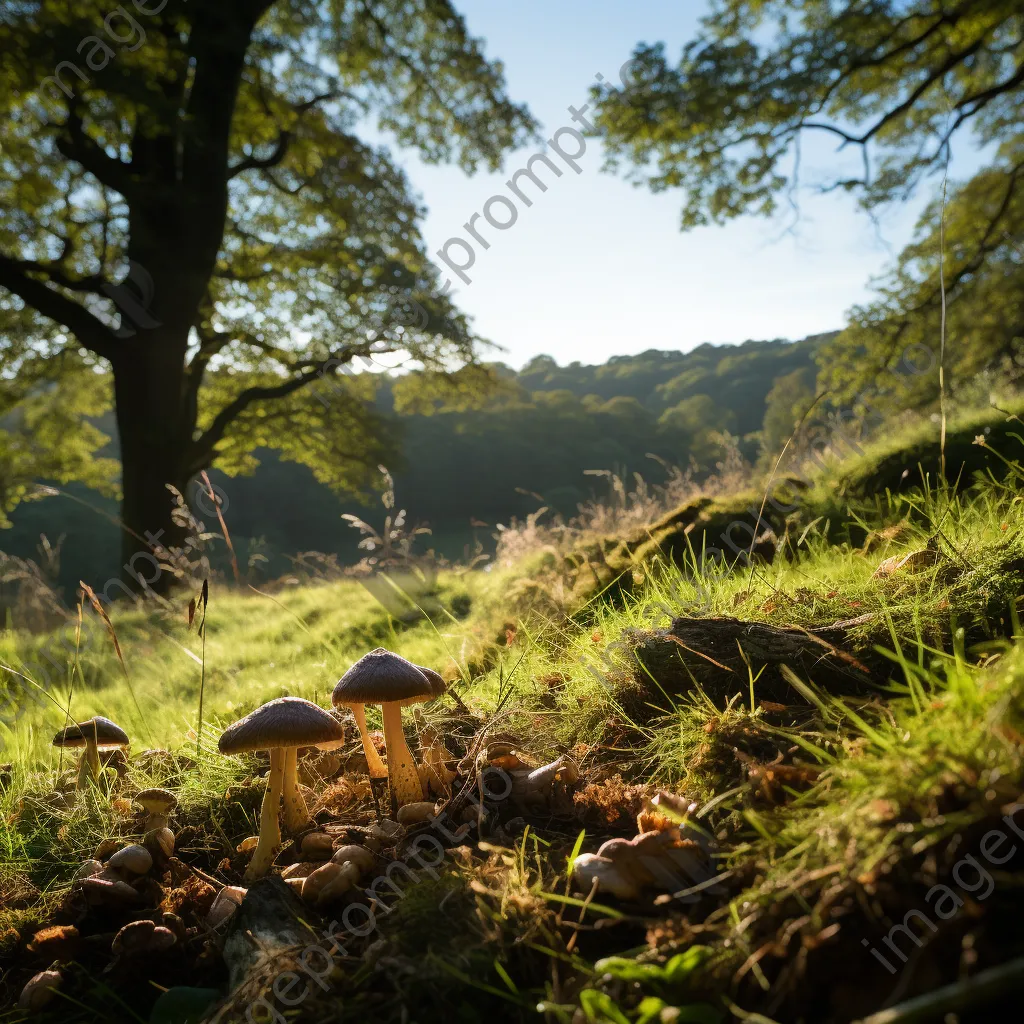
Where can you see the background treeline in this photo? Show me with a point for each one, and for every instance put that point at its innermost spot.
(463, 470)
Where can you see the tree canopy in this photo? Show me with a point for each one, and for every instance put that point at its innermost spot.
(186, 202)
(894, 81)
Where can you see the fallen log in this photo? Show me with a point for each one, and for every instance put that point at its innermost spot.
(720, 655)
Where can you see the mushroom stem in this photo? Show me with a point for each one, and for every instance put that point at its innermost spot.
(296, 814)
(89, 768)
(405, 780)
(270, 828)
(376, 766)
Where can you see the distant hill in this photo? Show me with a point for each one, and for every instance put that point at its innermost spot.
(482, 465)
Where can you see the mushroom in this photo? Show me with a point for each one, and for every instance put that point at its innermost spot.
(94, 735)
(384, 678)
(158, 803)
(39, 991)
(280, 726)
(610, 876)
(625, 867)
(437, 684)
(374, 763)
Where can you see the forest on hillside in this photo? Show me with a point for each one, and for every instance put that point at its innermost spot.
(460, 471)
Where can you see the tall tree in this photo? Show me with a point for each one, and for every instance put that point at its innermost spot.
(968, 259)
(896, 79)
(186, 203)
(892, 81)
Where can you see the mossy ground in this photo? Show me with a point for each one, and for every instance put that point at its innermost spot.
(835, 812)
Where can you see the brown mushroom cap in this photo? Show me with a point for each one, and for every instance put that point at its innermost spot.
(157, 801)
(107, 734)
(436, 680)
(383, 677)
(284, 722)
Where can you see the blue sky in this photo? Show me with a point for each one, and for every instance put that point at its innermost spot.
(597, 267)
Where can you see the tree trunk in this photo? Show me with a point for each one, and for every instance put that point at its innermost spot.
(153, 438)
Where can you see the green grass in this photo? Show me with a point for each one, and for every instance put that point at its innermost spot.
(835, 812)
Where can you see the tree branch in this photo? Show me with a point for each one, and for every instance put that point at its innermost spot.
(284, 139)
(87, 328)
(250, 162)
(203, 446)
(76, 145)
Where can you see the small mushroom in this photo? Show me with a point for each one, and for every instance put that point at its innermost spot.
(39, 991)
(610, 877)
(94, 735)
(384, 678)
(280, 726)
(158, 803)
(142, 937)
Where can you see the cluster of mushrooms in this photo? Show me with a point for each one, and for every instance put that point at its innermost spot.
(662, 856)
(283, 726)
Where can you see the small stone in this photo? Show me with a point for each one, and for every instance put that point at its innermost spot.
(87, 869)
(317, 846)
(160, 840)
(135, 860)
(142, 937)
(354, 854)
(107, 892)
(225, 904)
(302, 869)
(415, 813)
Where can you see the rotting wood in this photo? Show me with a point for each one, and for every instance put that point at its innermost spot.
(714, 654)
